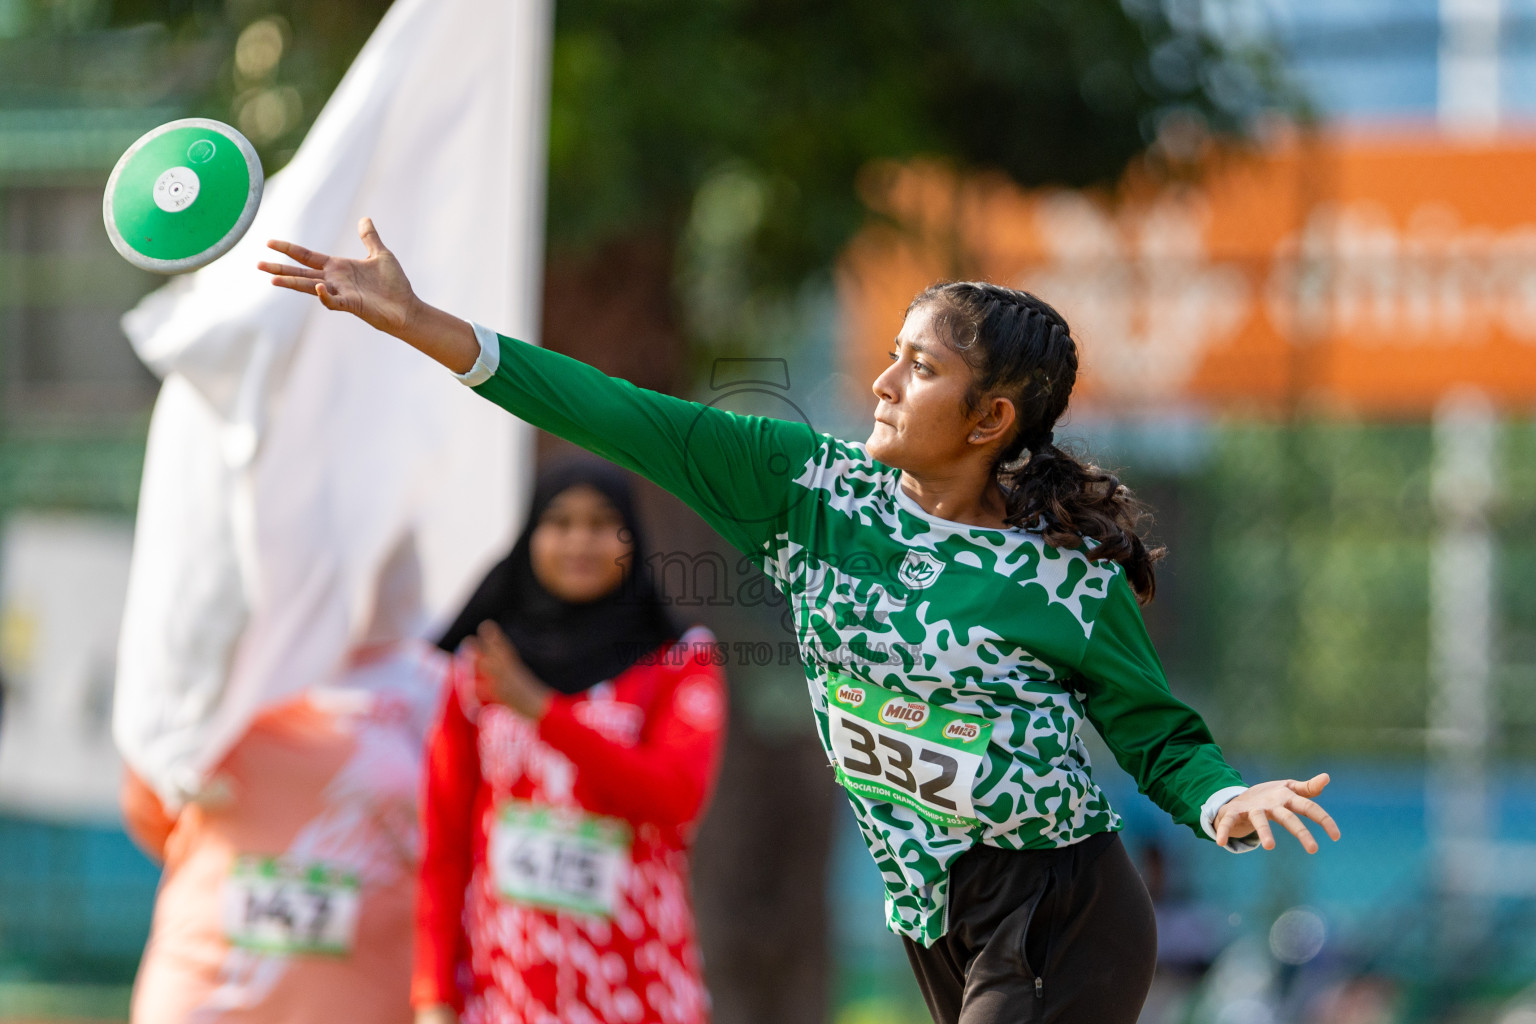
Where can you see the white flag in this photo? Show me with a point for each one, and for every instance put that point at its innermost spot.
(293, 449)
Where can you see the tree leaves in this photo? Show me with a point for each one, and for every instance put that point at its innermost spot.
(654, 102)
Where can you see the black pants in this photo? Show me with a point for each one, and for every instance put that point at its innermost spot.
(1061, 936)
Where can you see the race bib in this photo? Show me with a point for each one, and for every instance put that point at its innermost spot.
(275, 906)
(558, 859)
(902, 750)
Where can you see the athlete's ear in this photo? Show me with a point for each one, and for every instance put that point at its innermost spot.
(994, 421)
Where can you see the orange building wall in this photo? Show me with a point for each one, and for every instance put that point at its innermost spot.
(1366, 274)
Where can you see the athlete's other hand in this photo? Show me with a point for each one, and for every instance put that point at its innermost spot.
(503, 677)
(374, 289)
(438, 1013)
(1286, 801)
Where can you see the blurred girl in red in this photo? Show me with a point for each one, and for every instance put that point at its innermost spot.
(576, 749)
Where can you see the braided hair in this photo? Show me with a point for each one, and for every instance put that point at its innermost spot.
(1018, 347)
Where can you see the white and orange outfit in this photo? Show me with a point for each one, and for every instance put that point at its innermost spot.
(309, 837)
(287, 458)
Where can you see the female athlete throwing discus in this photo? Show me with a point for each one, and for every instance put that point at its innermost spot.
(965, 596)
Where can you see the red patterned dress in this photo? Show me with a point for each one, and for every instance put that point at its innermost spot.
(554, 880)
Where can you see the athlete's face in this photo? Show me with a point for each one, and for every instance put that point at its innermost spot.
(579, 549)
(922, 425)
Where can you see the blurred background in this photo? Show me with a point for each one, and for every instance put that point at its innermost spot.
(1297, 242)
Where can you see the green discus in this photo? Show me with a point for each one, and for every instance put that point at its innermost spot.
(182, 195)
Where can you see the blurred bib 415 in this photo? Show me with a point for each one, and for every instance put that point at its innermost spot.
(558, 859)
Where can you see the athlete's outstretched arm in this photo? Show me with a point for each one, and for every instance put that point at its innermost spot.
(735, 471)
(1166, 746)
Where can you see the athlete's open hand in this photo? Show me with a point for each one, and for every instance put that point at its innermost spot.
(1286, 801)
(374, 289)
(506, 680)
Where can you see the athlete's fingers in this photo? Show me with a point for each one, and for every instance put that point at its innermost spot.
(1293, 824)
(1223, 828)
(1312, 787)
(308, 257)
(1313, 810)
(328, 298)
(289, 270)
(1260, 822)
(370, 236)
(298, 284)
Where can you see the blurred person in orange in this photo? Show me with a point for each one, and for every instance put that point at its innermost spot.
(289, 883)
(573, 758)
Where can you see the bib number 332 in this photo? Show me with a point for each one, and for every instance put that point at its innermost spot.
(898, 749)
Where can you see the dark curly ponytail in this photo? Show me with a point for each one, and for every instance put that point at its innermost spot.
(1020, 348)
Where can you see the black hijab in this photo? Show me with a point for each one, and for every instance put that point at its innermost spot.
(571, 647)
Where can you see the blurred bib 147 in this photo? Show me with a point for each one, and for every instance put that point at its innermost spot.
(276, 906)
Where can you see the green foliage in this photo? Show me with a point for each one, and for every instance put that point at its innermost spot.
(1321, 598)
(266, 66)
(654, 102)
(1311, 610)
(734, 132)
(660, 107)
(1515, 602)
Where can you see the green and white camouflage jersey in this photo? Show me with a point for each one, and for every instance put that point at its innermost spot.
(950, 667)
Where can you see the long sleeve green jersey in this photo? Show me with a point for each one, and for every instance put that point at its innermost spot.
(950, 667)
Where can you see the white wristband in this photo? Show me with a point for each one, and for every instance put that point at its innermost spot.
(488, 359)
(1213, 806)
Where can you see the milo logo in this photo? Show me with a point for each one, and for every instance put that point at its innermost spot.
(850, 695)
(962, 731)
(900, 711)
